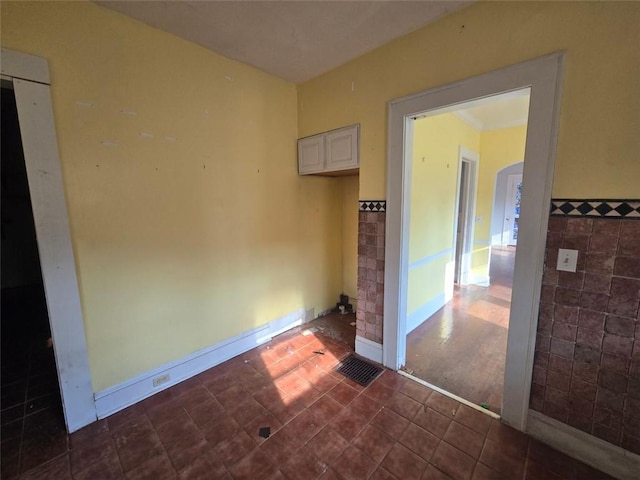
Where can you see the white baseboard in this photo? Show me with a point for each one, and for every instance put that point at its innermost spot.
(417, 317)
(125, 394)
(369, 349)
(610, 459)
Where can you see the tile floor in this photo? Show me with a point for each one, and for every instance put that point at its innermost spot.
(322, 426)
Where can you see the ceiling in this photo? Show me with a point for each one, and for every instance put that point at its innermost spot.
(294, 40)
(500, 111)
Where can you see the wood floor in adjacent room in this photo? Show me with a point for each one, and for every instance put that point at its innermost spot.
(462, 347)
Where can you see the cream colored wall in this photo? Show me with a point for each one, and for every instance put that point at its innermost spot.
(498, 149)
(597, 154)
(350, 187)
(436, 142)
(179, 244)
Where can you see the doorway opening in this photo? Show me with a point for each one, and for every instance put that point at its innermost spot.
(461, 323)
(31, 402)
(542, 78)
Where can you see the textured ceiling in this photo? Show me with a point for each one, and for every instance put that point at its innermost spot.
(293, 40)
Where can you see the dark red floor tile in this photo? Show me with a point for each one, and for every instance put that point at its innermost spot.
(124, 416)
(404, 464)
(366, 406)
(482, 472)
(354, 464)
(473, 419)
(174, 430)
(106, 468)
(553, 460)
(414, 390)
(247, 410)
(464, 439)
(379, 392)
(219, 383)
(493, 455)
(153, 468)
(57, 469)
(455, 463)
(135, 450)
(232, 396)
(91, 451)
(349, 423)
(205, 467)
(163, 413)
(327, 445)
(381, 474)
(303, 466)
(442, 404)
(206, 412)
(255, 465)
(304, 426)
(186, 449)
(280, 447)
(91, 431)
(325, 408)
(403, 405)
(512, 442)
(391, 379)
(343, 393)
(194, 397)
(390, 422)
(265, 420)
(157, 399)
(432, 421)
(432, 473)
(220, 429)
(419, 441)
(232, 449)
(374, 442)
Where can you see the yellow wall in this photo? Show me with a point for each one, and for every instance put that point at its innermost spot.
(434, 177)
(350, 206)
(597, 155)
(179, 244)
(498, 149)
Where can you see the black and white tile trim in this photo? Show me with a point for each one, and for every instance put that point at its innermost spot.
(373, 205)
(595, 208)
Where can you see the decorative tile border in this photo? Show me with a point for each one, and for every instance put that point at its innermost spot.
(603, 208)
(373, 205)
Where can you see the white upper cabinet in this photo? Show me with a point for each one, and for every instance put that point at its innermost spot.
(330, 153)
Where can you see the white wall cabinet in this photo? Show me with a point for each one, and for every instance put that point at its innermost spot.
(331, 153)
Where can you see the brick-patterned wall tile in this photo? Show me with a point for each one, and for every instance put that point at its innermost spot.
(587, 363)
(371, 237)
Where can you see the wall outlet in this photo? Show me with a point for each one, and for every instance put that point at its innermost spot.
(567, 260)
(161, 379)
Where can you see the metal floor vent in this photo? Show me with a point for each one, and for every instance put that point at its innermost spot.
(358, 370)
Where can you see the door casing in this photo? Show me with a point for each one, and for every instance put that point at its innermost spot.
(30, 79)
(543, 77)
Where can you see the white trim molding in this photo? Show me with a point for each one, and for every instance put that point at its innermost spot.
(30, 78)
(125, 394)
(369, 349)
(542, 78)
(591, 450)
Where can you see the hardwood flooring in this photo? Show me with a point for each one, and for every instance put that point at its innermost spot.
(462, 347)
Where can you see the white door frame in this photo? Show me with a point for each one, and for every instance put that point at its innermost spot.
(30, 78)
(543, 76)
(472, 159)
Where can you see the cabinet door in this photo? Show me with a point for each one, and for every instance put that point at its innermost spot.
(311, 154)
(342, 149)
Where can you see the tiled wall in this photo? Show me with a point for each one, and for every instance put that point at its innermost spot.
(587, 364)
(371, 230)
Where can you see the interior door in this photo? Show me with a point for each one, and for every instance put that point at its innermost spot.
(512, 210)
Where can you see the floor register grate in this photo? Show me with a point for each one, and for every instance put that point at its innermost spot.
(358, 370)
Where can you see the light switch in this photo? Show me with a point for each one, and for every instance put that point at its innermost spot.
(567, 260)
